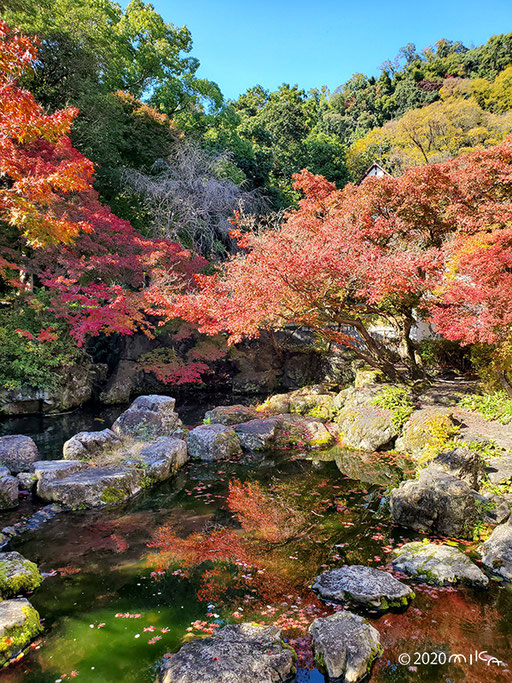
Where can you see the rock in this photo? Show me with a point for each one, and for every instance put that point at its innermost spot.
(231, 415)
(366, 428)
(213, 442)
(368, 376)
(123, 383)
(18, 453)
(437, 502)
(375, 468)
(346, 645)
(462, 463)
(95, 486)
(363, 585)
(499, 469)
(422, 432)
(19, 624)
(496, 552)
(301, 432)
(8, 492)
(17, 575)
(89, 445)
(47, 471)
(492, 509)
(148, 417)
(242, 653)
(26, 480)
(257, 435)
(162, 458)
(278, 403)
(437, 564)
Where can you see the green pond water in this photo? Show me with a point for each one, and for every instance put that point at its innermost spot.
(108, 617)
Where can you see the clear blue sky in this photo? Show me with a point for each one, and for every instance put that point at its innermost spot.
(321, 42)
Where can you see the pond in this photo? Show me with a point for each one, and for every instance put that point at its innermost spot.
(113, 607)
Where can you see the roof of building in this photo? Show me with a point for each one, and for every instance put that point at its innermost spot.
(374, 169)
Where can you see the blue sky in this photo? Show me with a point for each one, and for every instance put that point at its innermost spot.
(322, 42)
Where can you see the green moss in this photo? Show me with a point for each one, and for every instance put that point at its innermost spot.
(13, 582)
(113, 495)
(18, 637)
(397, 400)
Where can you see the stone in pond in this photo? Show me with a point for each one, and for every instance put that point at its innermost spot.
(302, 432)
(9, 488)
(242, 653)
(213, 442)
(437, 564)
(95, 486)
(162, 457)
(257, 435)
(366, 428)
(17, 575)
(230, 415)
(463, 463)
(345, 645)
(47, 471)
(27, 480)
(89, 445)
(148, 417)
(19, 624)
(437, 503)
(365, 586)
(18, 453)
(496, 552)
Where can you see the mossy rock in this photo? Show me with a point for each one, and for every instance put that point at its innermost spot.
(19, 625)
(367, 376)
(17, 575)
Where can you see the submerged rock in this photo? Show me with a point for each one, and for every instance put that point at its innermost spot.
(89, 445)
(9, 489)
(213, 442)
(148, 417)
(18, 453)
(95, 486)
(346, 645)
(231, 415)
(242, 653)
(437, 503)
(437, 564)
(496, 552)
(17, 575)
(363, 585)
(19, 624)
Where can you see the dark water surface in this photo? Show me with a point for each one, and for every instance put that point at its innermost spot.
(107, 618)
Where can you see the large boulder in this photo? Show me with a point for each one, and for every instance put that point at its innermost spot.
(162, 458)
(437, 564)
(213, 442)
(19, 624)
(231, 415)
(17, 575)
(148, 417)
(18, 453)
(257, 435)
(242, 653)
(345, 645)
(425, 431)
(366, 428)
(365, 586)
(47, 471)
(94, 487)
(9, 490)
(90, 445)
(302, 432)
(437, 503)
(463, 463)
(496, 552)
(499, 469)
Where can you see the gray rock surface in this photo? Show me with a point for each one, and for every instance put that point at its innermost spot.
(437, 564)
(499, 469)
(148, 417)
(242, 653)
(19, 624)
(257, 435)
(231, 415)
(421, 428)
(89, 445)
(437, 503)
(17, 575)
(27, 480)
(366, 428)
(47, 471)
(496, 552)
(462, 463)
(363, 585)
(18, 453)
(346, 645)
(95, 486)
(297, 431)
(161, 458)
(213, 442)
(8, 491)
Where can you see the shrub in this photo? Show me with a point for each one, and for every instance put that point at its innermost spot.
(398, 401)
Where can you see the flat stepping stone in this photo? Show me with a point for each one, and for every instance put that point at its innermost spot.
(438, 564)
(241, 653)
(345, 645)
(17, 575)
(19, 624)
(365, 586)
